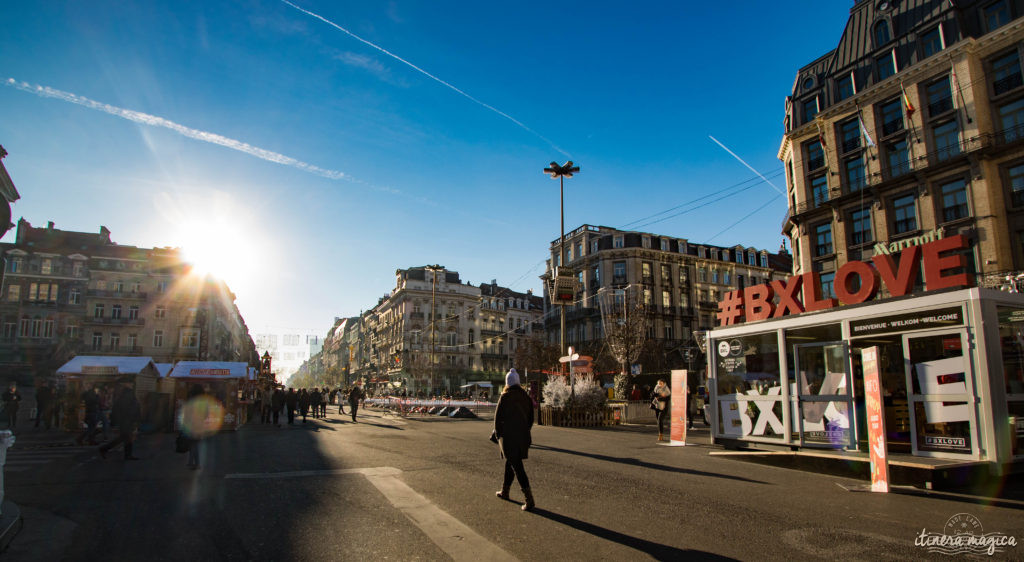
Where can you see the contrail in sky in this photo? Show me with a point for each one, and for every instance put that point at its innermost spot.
(152, 120)
(427, 74)
(747, 165)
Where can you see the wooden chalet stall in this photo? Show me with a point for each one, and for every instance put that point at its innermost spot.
(88, 371)
(221, 379)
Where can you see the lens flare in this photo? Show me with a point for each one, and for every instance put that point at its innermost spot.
(201, 416)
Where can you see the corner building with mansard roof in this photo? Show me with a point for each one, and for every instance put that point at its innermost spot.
(912, 127)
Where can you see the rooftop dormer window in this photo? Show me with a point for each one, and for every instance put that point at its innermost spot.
(882, 34)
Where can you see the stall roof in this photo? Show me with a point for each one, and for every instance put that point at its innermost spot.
(164, 368)
(209, 370)
(106, 365)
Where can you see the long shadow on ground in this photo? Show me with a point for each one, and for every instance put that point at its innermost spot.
(644, 464)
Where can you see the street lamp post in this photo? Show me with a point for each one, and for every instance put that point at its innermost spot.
(561, 172)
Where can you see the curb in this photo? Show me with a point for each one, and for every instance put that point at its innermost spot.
(10, 523)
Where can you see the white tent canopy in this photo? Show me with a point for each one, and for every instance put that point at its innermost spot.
(164, 368)
(209, 370)
(106, 365)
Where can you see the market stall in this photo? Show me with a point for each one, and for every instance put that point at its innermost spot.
(221, 379)
(103, 372)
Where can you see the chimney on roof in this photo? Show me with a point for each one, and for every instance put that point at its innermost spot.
(494, 281)
(105, 234)
(49, 225)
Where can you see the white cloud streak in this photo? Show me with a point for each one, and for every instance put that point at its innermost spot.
(154, 121)
(428, 75)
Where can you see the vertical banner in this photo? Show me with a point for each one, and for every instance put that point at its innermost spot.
(876, 420)
(677, 432)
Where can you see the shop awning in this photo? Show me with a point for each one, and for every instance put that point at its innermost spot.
(96, 365)
(209, 370)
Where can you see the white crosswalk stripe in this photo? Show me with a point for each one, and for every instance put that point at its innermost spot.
(19, 460)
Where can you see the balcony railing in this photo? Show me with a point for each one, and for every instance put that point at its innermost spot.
(116, 294)
(116, 321)
(1006, 84)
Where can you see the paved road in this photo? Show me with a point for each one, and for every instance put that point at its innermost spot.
(423, 489)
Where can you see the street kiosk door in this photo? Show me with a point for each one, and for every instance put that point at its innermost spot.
(942, 404)
(822, 409)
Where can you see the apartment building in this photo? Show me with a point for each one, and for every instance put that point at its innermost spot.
(66, 293)
(911, 129)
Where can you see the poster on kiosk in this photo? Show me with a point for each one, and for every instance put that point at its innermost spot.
(677, 432)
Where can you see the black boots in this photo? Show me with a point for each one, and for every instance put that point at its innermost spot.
(503, 492)
(529, 499)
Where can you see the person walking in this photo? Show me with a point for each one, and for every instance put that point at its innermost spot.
(354, 396)
(314, 401)
(91, 399)
(291, 402)
(12, 401)
(126, 414)
(662, 397)
(106, 408)
(341, 401)
(513, 419)
(324, 398)
(277, 399)
(44, 405)
(201, 416)
(303, 403)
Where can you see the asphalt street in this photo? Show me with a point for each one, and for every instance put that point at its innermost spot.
(388, 488)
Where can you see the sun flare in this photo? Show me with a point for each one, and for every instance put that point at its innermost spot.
(221, 250)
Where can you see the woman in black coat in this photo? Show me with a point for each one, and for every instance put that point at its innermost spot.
(513, 419)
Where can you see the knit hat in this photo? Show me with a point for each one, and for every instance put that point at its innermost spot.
(512, 378)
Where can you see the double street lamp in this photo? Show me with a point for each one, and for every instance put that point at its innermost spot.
(561, 172)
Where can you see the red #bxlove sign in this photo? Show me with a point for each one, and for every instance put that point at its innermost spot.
(802, 293)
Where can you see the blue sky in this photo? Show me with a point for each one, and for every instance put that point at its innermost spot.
(390, 167)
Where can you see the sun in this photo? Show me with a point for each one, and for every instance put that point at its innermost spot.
(220, 249)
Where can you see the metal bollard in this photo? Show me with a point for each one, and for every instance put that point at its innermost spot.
(6, 442)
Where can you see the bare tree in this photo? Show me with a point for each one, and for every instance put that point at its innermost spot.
(535, 354)
(625, 331)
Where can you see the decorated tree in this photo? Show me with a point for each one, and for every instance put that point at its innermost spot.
(625, 331)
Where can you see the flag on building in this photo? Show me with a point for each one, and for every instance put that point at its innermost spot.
(909, 107)
(864, 131)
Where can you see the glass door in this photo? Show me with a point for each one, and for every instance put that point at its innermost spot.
(822, 409)
(942, 404)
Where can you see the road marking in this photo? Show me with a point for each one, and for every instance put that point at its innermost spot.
(451, 535)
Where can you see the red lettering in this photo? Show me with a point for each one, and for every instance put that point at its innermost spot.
(899, 282)
(758, 302)
(868, 282)
(788, 292)
(730, 309)
(813, 301)
(935, 264)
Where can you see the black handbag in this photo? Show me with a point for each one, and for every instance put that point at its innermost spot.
(494, 436)
(181, 444)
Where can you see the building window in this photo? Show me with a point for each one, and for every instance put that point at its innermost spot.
(44, 292)
(70, 331)
(97, 341)
(115, 340)
(664, 244)
(947, 140)
(854, 174)
(74, 296)
(15, 265)
(764, 260)
(133, 341)
(97, 311)
(897, 157)
(617, 241)
(996, 15)
(37, 324)
(46, 266)
(158, 338)
(882, 35)
(860, 226)
(77, 269)
(579, 250)
(189, 339)
(1011, 121)
(1015, 175)
(810, 109)
(669, 334)
(702, 275)
(593, 247)
(1006, 74)
(619, 272)
(886, 65)
(819, 189)
(823, 239)
(595, 277)
(940, 97)
(160, 312)
(115, 312)
(666, 274)
(739, 256)
(815, 155)
(849, 135)
(891, 114)
(828, 285)
(647, 241)
(844, 87)
(714, 276)
(645, 271)
(133, 312)
(904, 210)
(161, 287)
(954, 200)
(931, 42)
(726, 278)
(666, 299)
(14, 293)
